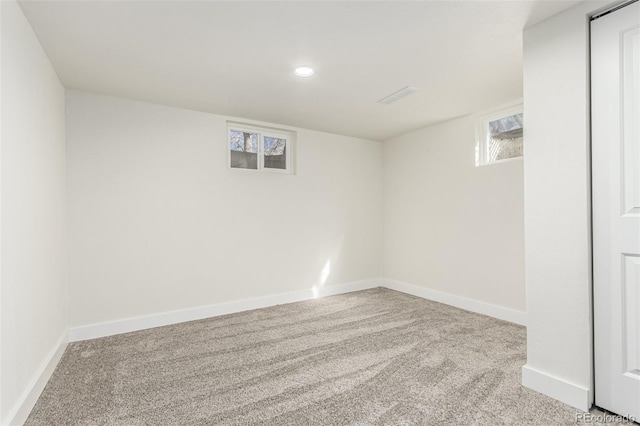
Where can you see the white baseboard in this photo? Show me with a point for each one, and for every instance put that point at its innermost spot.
(127, 325)
(18, 415)
(472, 305)
(571, 394)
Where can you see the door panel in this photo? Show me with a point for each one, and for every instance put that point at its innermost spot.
(631, 315)
(630, 66)
(615, 110)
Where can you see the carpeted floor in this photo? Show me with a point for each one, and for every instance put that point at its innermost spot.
(374, 357)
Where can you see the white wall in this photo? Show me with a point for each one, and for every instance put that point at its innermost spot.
(450, 226)
(557, 206)
(158, 222)
(33, 276)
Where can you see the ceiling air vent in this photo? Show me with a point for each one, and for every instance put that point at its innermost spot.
(397, 95)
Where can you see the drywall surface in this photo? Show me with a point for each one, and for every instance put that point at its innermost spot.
(33, 253)
(449, 225)
(158, 222)
(557, 201)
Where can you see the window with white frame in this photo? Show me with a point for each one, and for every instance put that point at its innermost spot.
(257, 148)
(499, 136)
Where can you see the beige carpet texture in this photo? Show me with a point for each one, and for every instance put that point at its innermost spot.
(374, 357)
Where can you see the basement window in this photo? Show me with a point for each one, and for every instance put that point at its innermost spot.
(259, 148)
(499, 136)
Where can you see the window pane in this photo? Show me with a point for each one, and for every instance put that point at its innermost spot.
(505, 138)
(244, 149)
(275, 150)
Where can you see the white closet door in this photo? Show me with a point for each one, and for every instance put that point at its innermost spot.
(615, 90)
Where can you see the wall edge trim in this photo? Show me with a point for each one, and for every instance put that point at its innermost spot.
(21, 410)
(495, 311)
(126, 325)
(555, 387)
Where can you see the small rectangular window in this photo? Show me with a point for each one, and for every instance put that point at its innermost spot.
(275, 152)
(499, 136)
(244, 149)
(255, 148)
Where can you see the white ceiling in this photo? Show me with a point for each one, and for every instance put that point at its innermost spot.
(236, 58)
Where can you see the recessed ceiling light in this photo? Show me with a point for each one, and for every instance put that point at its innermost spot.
(303, 72)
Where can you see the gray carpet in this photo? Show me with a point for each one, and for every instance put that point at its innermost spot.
(374, 357)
